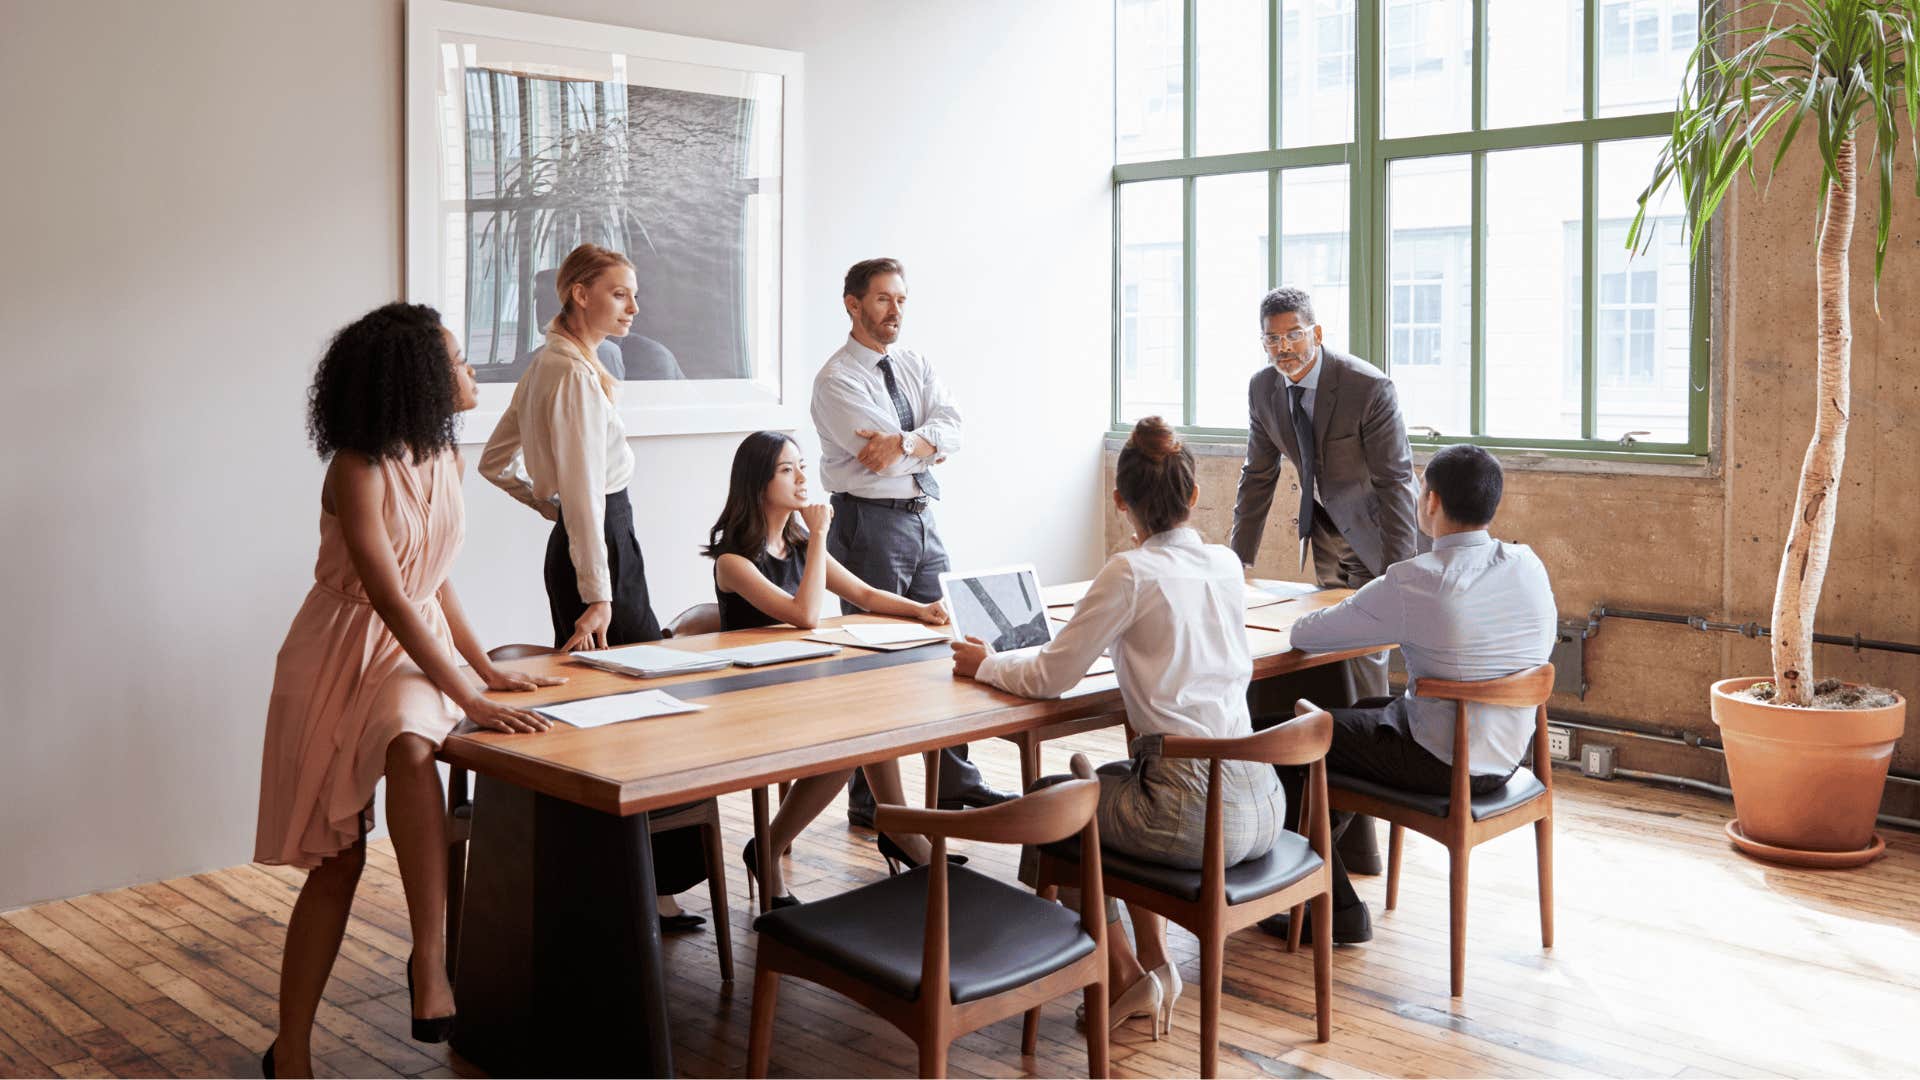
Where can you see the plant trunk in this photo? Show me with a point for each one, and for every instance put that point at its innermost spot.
(1803, 567)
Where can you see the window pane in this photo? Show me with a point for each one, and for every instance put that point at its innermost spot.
(1645, 329)
(1152, 332)
(1643, 53)
(1429, 203)
(1427, 55)
(1533, 293)
(1316, 77)
(1534, 61)
(1149, 81)
(1230, 76)
(1230, 275)
(1314, 211)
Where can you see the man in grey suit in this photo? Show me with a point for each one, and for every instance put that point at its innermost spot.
(1337, 418)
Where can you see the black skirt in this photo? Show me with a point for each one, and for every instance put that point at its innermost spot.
(633, 621)
(679, 857)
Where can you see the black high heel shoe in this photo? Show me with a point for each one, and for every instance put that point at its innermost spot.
(749, 855)
(895, 855)
(433, 1029)
(266, 1060)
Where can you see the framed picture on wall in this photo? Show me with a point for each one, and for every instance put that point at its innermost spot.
(528, 135)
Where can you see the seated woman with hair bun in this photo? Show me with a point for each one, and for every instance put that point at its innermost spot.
(1172, 611)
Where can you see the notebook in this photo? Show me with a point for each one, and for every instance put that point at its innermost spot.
(651, 661)
(775, 652)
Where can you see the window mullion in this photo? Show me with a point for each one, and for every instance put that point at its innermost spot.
(1274, 226)
(1189, 62)
(1589, 289)
(1479, 65)
(1189, 326)
(1366, 181)
(1477, 292)
(1590, 42)
(1276, 74)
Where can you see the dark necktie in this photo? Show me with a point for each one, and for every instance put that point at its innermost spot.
(905, 412)
(1303, 438)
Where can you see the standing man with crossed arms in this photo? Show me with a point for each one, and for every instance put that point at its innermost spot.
(884, 419)
(1337, 418)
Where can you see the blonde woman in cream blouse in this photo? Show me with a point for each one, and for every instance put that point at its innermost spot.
(561, 449)
(1172, 613)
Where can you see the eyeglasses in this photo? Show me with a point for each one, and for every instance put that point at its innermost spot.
(1292, 337)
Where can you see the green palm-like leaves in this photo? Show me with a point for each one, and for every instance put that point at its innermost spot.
(1844, 64)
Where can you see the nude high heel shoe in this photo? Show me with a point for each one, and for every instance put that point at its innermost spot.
(1170, 987)
(1141, 999)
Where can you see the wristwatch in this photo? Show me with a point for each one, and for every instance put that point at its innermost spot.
(907, 441)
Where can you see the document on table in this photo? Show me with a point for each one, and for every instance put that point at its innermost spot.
(1065, 595)
(1285, 589)
(651, 661)
(600, 711)
(894, 633)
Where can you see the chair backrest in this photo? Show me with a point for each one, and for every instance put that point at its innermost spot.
(1528, 689)
(698, 619)
(518, 652)
(1303, 740)
(1052, 813)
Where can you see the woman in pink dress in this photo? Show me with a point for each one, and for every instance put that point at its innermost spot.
(366, 685)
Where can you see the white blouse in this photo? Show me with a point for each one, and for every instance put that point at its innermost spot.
(1174, 612)
(561, 442)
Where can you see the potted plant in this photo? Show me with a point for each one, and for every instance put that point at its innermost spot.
(1807, 759)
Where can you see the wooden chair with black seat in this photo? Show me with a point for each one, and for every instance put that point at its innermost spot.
(1216, 900)
(888, 947)
(704, 814)
(1462, 820)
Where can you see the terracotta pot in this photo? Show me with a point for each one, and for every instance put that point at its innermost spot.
(1806, 779)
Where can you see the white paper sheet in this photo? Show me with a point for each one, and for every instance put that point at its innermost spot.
(893, 633)
(600, 711)
(1285, 589)
(775, 652)
(651, 660)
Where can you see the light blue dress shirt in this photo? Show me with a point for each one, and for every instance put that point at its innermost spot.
(1473, 608)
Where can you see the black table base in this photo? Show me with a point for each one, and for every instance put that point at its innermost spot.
(559, 962)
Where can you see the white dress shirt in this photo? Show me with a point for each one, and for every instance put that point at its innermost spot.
(850, 394)
(561, 442)
(1310, 382)
(1473, 608)
(1173, 611)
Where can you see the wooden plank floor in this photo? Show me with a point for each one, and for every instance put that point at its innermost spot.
(1675, 957)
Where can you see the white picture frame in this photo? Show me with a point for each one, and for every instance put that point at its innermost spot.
(489, 206)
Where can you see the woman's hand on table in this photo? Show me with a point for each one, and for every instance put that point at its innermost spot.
(967, 654)
(934, 614)
(497, 717)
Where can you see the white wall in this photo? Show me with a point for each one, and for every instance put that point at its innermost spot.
(198, 192)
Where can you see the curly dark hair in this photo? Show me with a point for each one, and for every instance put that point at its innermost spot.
(385, 387)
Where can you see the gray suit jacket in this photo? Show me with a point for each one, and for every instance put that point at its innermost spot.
(1364, 461)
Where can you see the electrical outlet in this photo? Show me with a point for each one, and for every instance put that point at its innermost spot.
(1559, 743)
(1597, 761)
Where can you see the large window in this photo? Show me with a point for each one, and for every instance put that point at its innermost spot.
(1452, 180)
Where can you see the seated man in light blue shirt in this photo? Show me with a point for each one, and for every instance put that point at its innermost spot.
(1473, 608)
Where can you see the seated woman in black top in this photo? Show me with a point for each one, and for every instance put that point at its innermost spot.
(768, 569)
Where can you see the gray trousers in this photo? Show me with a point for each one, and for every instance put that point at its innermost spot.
(899, 551)
(1335, 566)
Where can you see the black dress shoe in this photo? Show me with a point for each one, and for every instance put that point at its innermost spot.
(859, 816)
(426, 1029)
(1351, 925)
(681, 923)
(750, 856)
(975, 798)
(1359, 848)
(266, 1061)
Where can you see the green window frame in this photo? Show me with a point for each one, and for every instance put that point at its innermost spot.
(1368, 158)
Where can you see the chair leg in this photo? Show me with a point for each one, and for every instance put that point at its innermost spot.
(1213, 962)
(1293, 927)
(785, 786)
(1030, 1032)
(1029, 761)
(766, 997)
(1095, 997)
(1457, 915)
(1323, 965)
(1543, 851)
(765, 869)
(717, 894)
(1396, 840)
(933, 1057)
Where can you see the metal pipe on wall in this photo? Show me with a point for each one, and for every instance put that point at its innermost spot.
(1746, 629)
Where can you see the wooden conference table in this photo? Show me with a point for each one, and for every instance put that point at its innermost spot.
(559, 964)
